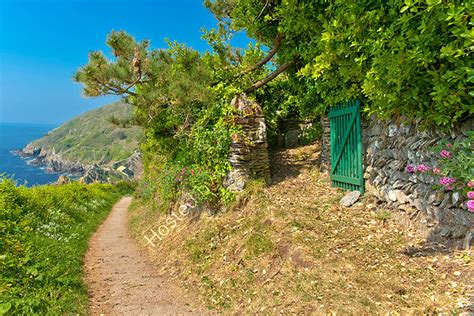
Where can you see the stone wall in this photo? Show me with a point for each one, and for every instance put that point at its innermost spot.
(295, 136)
(325, 144)
(389, 147)
(249, 148)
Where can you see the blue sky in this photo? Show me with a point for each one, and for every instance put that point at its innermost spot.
(43, 42)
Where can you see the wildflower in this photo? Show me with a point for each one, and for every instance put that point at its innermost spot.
(470, 184)
(470, 205)
(183, 171)
(446, 181)
(191, 171)
(436, 170)
(445, 154)
(450, 145)
(423, 168)
(470, 195)
(410, 169)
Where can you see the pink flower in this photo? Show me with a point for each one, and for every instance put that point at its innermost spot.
(436, 170)
(446, 181)
(410, 169)
(470, 184)
(470, 205)
(191, 171)
(450, 145)
(445, 154)
(423, 168)
(183, 171)
(470, 195)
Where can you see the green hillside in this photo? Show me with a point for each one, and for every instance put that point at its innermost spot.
(92, 137)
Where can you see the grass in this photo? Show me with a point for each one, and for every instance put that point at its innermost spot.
(290, 248)
(382, 215)
(44, 234)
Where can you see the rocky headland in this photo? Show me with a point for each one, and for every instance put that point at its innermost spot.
(125, 169)
(97, 146)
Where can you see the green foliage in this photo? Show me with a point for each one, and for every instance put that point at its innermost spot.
(310, 133)
(44, 232)
(402, 57)
(185, 112)
(382, 215)
(456, 160)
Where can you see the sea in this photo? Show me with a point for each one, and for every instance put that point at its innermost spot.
(14, 137)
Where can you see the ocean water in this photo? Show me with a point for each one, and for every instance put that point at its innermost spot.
(17, 136)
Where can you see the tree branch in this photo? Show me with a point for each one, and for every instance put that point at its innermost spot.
(267, 58)
(269, 78)
(120, 91)
(261, 12)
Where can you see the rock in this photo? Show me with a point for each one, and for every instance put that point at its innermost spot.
(397, 196)
(468, 240)
(392, 130)
(51, 160)
(398, 184)
(455, 198)
(63, 180)
(131, 167)
(419, 205)
(350, 198)
(445, 231)
(188, 205)
(235, 180)
(281, 140)
(291, 139)
(375, 130)
(96, 174)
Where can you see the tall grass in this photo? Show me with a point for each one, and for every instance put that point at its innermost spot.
(44, 233)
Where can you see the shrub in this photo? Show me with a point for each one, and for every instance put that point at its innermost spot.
(455, 168)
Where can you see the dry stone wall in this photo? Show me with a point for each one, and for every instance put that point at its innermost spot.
(389, 147)
(325, 146)
(249, 148)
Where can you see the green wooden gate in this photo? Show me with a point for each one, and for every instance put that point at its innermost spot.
(346, 146)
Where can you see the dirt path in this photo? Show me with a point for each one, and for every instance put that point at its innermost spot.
(119, 278)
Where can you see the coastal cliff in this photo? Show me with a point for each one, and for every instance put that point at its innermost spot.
(95, 146)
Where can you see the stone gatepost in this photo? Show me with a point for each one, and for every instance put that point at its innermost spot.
(326, 146)
(249, 148)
